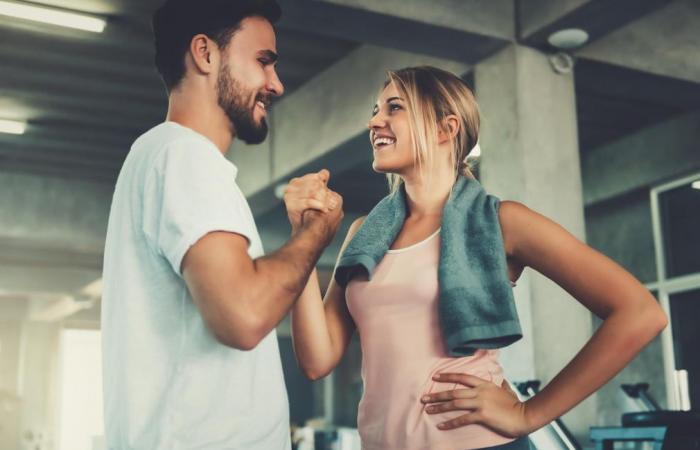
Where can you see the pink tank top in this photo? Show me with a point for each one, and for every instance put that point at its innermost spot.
(402, 348)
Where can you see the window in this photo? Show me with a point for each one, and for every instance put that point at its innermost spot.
(80, 409)
(685, 310)
(679, 212)
(676, 219)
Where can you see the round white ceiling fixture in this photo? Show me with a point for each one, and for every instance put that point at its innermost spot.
(568, 39)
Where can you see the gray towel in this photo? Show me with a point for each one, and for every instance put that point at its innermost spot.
(476, 306)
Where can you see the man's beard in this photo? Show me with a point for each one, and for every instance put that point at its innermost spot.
(232, 99)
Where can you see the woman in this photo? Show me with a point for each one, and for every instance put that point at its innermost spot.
(418, 392)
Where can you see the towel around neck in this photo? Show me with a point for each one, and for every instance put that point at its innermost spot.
(476, 305)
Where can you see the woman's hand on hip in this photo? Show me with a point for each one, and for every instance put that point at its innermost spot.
(484, 403)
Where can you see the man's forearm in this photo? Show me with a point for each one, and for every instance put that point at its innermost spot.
(282, 275)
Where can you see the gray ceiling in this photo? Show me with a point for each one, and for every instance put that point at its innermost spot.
(613, 101)
(88, 96)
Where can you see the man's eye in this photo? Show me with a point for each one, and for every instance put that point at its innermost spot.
(264, 61)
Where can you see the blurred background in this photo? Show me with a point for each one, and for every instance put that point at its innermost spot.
(590, 115)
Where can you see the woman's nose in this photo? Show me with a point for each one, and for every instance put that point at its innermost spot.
(376, 121)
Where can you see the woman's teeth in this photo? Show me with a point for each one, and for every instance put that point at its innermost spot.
(380, 142)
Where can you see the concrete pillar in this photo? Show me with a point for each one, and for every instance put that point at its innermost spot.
(530, 154)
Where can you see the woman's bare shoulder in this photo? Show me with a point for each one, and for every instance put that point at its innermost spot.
(512, 215)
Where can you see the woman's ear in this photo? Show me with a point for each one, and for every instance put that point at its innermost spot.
(448, 128)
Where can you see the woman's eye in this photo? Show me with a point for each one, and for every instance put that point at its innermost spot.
(394, 107)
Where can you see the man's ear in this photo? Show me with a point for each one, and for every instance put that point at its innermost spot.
(203, 52)
(448, 128)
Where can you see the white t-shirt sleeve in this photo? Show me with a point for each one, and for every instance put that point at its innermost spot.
(190, 192)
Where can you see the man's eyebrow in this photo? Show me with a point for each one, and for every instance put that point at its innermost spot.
(269, 54)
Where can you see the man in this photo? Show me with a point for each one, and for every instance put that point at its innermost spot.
(190, 303)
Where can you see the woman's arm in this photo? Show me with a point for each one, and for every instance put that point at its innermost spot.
(321, 330)
(631, 316)
(631, 319)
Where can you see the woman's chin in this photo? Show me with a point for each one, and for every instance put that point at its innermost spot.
(380, 169)
(385, 168)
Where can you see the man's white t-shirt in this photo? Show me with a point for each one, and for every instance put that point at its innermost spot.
(168, 383)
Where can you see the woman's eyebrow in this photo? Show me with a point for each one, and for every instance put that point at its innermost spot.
(376, 105)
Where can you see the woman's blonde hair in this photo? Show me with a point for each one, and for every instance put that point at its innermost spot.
(430, 95)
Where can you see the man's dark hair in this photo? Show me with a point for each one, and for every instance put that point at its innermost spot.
(178, 21)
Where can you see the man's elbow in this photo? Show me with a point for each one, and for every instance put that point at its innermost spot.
(244, 334)
(244, 343)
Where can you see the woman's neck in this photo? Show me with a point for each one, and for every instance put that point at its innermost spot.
(427, 195)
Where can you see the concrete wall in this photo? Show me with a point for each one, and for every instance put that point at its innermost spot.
(621, 228)
(654, 155)
(47, 209)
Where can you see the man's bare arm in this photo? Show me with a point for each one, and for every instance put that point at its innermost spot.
(242, 299)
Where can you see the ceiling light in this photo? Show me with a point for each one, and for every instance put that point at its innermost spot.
(695, 184)
(12, 127)
(52, 16)
(568, 39)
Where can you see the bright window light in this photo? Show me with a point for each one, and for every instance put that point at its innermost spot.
(12, 127)
(80, 411)
(52, 16)
(696, 184)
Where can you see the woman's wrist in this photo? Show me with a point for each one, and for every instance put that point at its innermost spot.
(534, 418)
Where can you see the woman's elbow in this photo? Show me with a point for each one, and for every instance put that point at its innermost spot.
(314, 372)
(315, 375)
(653, 321)
(660, 320)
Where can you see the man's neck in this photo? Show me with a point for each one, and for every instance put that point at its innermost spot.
(207, 120)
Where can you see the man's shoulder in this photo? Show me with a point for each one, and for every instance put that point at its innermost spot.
(175, 150)
(168, 135)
